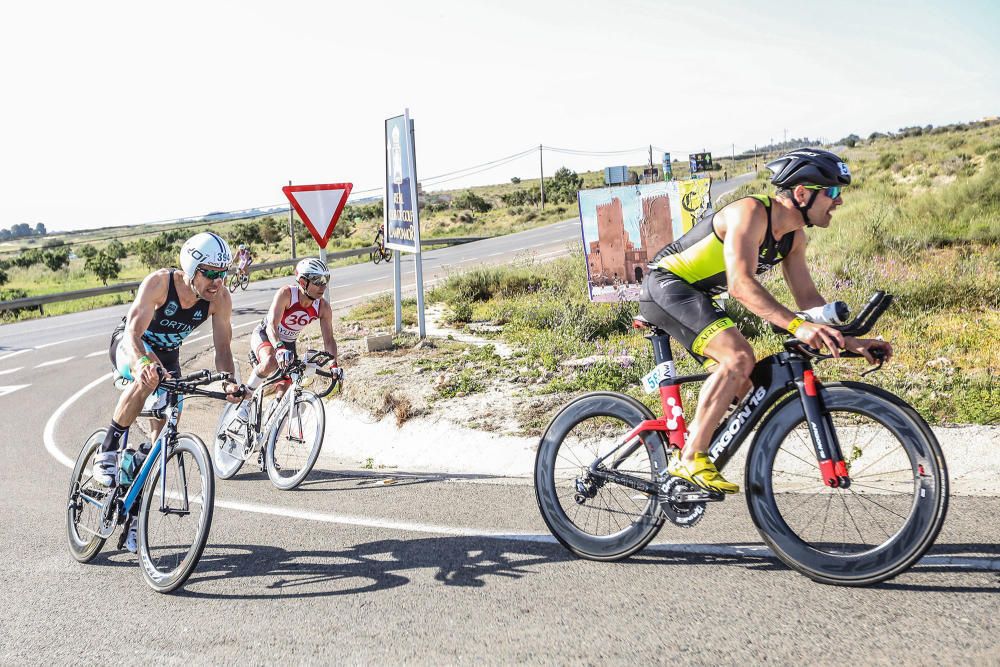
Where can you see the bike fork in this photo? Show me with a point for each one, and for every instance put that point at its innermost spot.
(832, 467)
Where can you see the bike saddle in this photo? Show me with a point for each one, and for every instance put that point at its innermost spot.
(640, 322)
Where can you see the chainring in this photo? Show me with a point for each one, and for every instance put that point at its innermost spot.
(685, 515)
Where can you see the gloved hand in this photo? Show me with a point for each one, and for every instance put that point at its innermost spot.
(284, 358)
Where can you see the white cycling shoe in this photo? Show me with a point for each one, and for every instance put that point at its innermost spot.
(106, 468)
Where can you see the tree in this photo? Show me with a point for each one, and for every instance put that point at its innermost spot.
(471, 201)
(56, 259)
(116, 249)
(28, 258)
(515, 180)
(87, 251)
(104, 266)
(3, 277)
(564, 186)
(246, 233)
(40, 229)
(270, 230)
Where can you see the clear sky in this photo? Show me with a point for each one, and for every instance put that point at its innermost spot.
(122, 112)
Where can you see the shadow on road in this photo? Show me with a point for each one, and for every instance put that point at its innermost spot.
(352, 480)
(366, 568)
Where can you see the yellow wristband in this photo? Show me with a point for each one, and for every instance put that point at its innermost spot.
(794, 325)
(144, 361)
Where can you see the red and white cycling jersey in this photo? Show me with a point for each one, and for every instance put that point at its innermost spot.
(296, 317)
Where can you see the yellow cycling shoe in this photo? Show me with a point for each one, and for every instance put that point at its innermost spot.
(700, 472)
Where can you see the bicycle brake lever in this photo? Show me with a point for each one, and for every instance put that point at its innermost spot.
(880, 358)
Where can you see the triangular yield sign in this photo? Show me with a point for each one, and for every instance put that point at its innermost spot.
(319, 206)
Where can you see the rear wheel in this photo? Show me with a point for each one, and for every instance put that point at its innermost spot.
(295, 442)
(83, 511)
(173, 527)
(866, 533)
(592, 517)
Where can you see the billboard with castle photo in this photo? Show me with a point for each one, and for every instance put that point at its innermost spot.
(623, 227)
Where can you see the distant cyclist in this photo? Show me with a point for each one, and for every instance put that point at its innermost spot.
(292, 308)
(244, 258)
(726, 251)
(168, 306)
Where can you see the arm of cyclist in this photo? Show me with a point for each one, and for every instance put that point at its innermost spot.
(797, 276)
(282, 299)
(744, 234)
(222, 336)
(151, 292)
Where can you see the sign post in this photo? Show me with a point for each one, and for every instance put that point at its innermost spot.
(402, 215)
(320, 207)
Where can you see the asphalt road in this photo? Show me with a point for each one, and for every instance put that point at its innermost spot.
(431, 568)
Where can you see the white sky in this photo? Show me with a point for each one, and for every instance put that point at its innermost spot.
(123, 112)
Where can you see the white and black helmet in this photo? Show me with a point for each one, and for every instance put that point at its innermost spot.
(204, 248)
(809, 166)
(311, 267)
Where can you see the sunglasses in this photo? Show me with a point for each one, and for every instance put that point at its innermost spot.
(213, 274)
(318, 281)
(832, 192)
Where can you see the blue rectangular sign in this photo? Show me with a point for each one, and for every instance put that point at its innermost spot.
(402, 220)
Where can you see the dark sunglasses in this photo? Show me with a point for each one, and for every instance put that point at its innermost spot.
(318, 281)
(832, 192)
(213, 274)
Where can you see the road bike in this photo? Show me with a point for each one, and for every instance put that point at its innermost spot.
(239, 279)
(287, 434)
(171, 494)
(844, 481)
(380, 253)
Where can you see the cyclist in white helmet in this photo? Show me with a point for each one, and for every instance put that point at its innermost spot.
(244, 258)
(293, 307)
(168, 306)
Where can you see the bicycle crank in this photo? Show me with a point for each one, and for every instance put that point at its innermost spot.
(684, 503)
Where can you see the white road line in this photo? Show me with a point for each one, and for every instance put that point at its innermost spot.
(14, 354)
(743, 551)
(53, 362)
(94, 354)
(68, 340)
(11, 370)
(11, 388)
(48, 435)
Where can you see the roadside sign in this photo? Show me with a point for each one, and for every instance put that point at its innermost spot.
(402, 217)
(319, 206)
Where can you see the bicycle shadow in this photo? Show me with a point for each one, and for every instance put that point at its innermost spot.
(366, 568)
(360, 480)
(953, 559)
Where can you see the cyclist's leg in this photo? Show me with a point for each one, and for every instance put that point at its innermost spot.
(263, 349)
(701, 325)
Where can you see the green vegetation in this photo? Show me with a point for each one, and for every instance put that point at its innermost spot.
(922, 221)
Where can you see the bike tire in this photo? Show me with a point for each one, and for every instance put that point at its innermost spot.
(554, 488)
(82, 547)
(244, 282)
(881, 437)
(223, 463)
(387, 255)
(376, 257)
(282, 453)
(233, 282)
(171, 564)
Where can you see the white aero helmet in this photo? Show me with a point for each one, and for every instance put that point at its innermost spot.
(204, 248)
(311, 267)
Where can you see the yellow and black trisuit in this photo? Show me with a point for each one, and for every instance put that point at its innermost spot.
(677, 293)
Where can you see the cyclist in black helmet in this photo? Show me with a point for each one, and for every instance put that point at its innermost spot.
(725, 252)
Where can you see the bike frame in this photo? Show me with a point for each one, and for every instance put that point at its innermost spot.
(163, 443)
(772, 379)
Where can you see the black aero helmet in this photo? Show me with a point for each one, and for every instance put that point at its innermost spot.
(809, 166)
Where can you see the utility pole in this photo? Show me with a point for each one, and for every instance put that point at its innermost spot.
(651, 156)
(541, 175)
(291, 226)
(786, 138)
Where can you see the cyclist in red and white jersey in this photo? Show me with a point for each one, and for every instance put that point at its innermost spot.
(293, 307)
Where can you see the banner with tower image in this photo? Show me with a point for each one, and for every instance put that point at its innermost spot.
(624, 227)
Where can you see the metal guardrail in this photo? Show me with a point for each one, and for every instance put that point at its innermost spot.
(39, 301)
